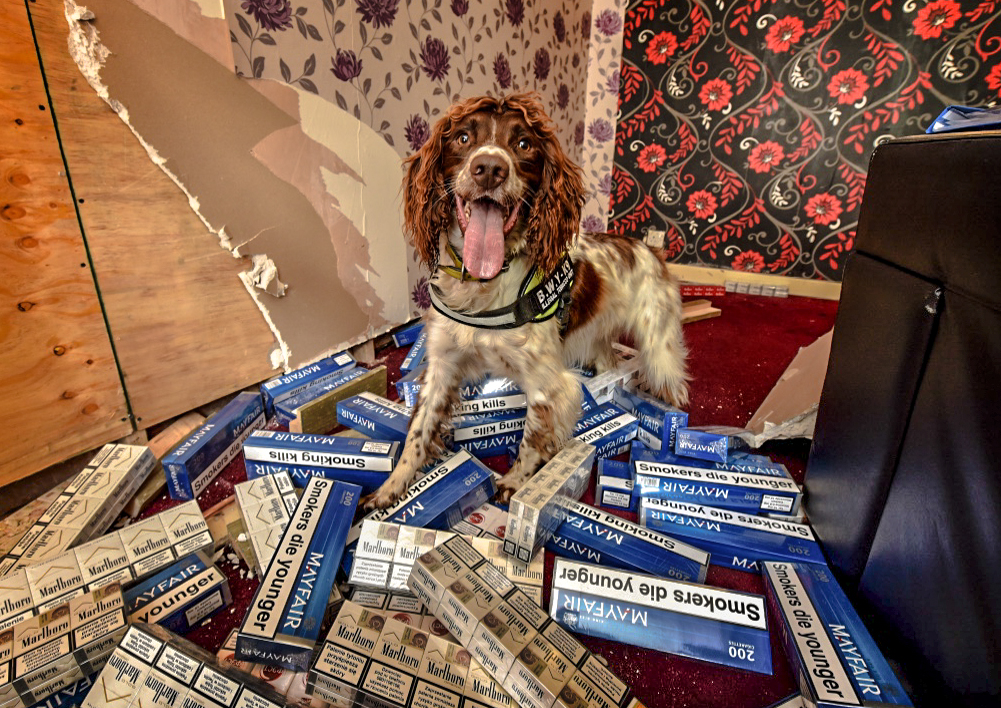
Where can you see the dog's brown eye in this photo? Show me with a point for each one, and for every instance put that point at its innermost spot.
(524, 144)
(463, 138)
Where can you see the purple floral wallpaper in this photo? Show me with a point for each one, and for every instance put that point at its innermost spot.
(746, 127)
(597, 129)
(397, 66)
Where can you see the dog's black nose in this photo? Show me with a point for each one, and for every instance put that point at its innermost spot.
(489, 171)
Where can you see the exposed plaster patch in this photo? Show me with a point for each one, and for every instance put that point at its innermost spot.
(264, 276)
(90, 55)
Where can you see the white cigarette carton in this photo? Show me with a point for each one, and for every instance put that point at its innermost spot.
(538, 508)
(86, 508)
(521, 656)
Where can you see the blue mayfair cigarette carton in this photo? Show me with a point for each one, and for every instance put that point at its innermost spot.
(438, 500)
(408, 335)
(489, 433)
(492, 393)
(180, 596)
(302, 456)
(614, 485)
(714, 442)
(658, 421)
(416, 354)
(375, 416)
(711, 624)
(592, 535)
(834, 658)
(283, 622)
(286, 410)
(278, 389)
(734, 540)
(736, 462)
(193, 464)
(69, 697)
(739, 491)
(608, 428)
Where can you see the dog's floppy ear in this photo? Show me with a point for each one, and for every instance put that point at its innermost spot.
(426, 204)
(553, 222)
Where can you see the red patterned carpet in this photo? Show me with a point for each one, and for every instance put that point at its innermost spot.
(735, 360)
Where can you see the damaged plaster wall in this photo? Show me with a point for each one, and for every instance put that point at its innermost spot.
(289, 192)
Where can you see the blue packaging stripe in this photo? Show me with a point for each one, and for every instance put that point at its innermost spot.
(492, 445)
(739, 491)
(286, 410)
(300, 475)
(375, 416)
(595, 536)
(711, 624)
(408, 335)
(712, 443)
(870, 674)
(284, 618)
(416, 354)
(658, 421)
(282, 387)
(169, 597)
(321, 451)
(193, 464)
(733, 539)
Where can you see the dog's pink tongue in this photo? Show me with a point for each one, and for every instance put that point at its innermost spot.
(483, 246)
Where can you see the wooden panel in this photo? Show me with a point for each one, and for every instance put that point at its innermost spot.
(185, 329)
(58, 382)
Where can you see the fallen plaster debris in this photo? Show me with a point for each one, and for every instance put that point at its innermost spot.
(89, 55)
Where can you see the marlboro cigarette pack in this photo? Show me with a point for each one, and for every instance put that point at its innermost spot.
(153, 667)
(49, 652)
(86, 507)
(375, 416)
(283, 622)
(366, 463)
(181, 596)
(711, 624)
(512, 641)
(266, 505)
(282, 387)
(442, 497)
(119, 558)
(592, 535)
(538, 508)
(658, 421)
(734, 540)
(739, 491)
(834, 658)
(485, 520)
(196, 462)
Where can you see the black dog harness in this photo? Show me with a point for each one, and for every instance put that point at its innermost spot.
(540, 298)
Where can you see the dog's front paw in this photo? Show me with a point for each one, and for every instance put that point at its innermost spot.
(383, 497)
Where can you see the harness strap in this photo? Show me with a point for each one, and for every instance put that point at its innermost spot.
(541, 299)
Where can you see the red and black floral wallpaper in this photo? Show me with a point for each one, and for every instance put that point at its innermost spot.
(746, 127)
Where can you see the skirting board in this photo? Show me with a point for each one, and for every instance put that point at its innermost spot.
(700, 275)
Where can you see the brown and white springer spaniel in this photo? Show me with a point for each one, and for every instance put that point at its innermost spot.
(493, 182)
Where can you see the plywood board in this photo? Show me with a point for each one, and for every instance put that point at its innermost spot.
(185, 329)
(58, 382)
